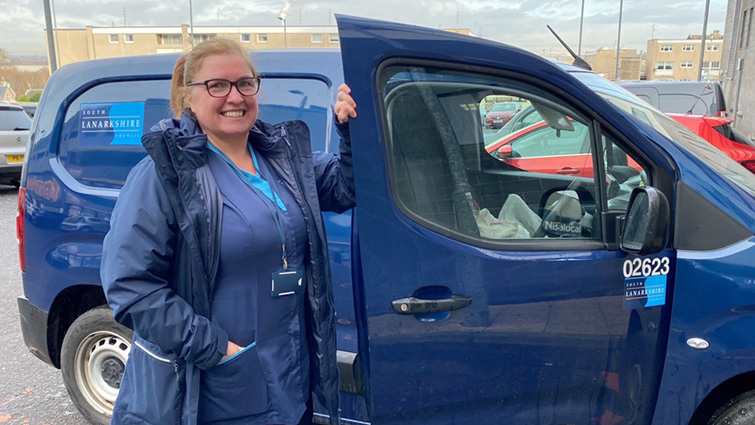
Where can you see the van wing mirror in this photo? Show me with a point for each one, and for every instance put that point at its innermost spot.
(646, 223)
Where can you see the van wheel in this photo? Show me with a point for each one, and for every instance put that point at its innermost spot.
(739, 411)
(93, 358)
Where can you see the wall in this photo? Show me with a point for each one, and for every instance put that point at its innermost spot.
(739, 52)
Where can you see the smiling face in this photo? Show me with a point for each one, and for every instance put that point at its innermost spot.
(226, 119)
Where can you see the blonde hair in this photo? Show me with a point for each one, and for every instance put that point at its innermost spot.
(189, 64)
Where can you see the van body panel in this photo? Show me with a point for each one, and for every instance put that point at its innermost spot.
(486, 354)
(709, 284)
(503, 358)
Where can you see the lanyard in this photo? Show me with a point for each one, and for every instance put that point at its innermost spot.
(274, 207)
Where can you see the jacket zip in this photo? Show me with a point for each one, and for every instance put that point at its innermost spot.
(298, 194)
(301, 203)
(162, 359)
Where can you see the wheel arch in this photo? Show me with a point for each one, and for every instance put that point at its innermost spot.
(721, 395)
(67, 307)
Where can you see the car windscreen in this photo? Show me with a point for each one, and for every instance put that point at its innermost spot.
(14, 120)
(684, 137)
(504, 107)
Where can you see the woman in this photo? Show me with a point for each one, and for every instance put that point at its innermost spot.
(222, 204)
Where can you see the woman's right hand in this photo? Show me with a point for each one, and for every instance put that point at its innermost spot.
(232, 349)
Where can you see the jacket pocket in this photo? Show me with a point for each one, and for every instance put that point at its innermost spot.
(152, 387)
(234, 388)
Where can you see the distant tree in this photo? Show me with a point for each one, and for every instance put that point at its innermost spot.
(5, 61)
(20, 81)
(35, 96)
(24, 98)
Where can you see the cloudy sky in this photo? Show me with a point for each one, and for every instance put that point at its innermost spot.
(517, 22)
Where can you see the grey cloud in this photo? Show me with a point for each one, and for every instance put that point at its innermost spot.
(520, 23)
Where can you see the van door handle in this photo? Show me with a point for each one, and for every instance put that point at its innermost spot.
(569, 171)
(412, 305)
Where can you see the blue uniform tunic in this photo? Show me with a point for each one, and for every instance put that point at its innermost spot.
(268, 382)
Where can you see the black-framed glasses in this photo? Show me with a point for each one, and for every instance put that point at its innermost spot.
(218, 87)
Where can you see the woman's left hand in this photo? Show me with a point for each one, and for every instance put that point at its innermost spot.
(345, 106)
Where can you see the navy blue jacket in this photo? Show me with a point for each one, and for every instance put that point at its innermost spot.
(160, 259)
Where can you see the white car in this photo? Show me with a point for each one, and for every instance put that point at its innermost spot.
(14, 136)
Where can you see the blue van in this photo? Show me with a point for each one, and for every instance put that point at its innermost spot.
(468, 290)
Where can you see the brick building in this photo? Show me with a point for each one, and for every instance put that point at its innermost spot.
(679, 60)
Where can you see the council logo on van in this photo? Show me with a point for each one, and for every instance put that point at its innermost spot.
(645, 282)
(105, 124)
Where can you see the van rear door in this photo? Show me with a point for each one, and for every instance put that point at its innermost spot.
(491, 293)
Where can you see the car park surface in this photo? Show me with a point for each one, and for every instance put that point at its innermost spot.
(596, 305)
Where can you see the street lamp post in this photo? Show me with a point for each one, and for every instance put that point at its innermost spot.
(702, 43)
(618, 43)
(50, 36)
(581, 21)
(285, 38)
(191, 24)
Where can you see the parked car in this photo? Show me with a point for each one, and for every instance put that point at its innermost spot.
(541, 148)
(636, 312)
(501, 113)
(14, 136)
(525, 118)
(681, 97)
(712, 129)
(689, 97)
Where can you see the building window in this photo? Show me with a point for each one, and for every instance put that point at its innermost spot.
(688, 48)
(113, 38)
(198, 38)
(169, 39)
(712, 48)
(666, 47)
(317, 38)
(713, 65)
(686, 65)
(261, 38)
(334, 38)
(246, 38)
(743, 29)
(749, 30)
(664, 65)
(128, 38)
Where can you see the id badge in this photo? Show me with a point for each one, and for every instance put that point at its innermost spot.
(287, 282)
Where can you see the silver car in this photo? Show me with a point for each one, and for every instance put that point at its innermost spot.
(14, 136)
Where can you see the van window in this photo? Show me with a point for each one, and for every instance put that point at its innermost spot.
(308, 100)
(102, 130)
(453, 175)
(665, 125)
(101, 137)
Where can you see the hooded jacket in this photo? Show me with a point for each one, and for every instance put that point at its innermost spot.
(161, 255)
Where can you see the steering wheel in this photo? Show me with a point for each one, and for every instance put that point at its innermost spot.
(540, 232)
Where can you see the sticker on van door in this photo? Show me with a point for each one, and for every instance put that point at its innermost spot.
(103, 124)
(645, 282)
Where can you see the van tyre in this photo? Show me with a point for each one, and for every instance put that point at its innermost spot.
(93, 358)
(740, 411)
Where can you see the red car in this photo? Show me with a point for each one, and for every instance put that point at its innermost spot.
(538, 149)
(710, 128)
(501, 113)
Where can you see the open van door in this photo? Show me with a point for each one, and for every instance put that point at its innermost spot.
(489, 293)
